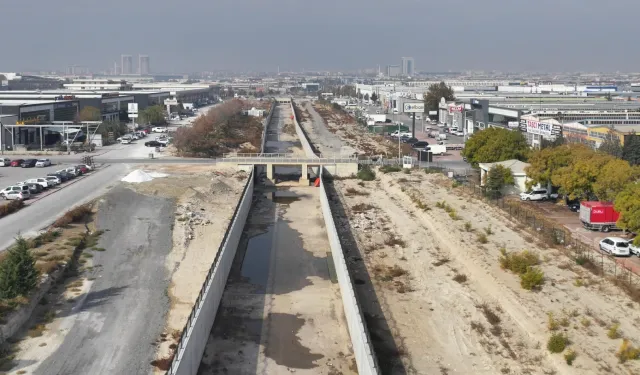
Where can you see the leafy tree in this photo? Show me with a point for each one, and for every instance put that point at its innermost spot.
(89, 113)
(544, 163)
(631, 149)
(154, 115)
(627, 203)
(360, 95)
(612, 179)
(374, 97)
(18, 273)
(366, 97)
(497, 178)
(578, 178)
(558, 141)
(611, 145)
(495, 144)
(434, 93)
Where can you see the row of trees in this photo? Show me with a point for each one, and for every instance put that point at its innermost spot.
(223, 128)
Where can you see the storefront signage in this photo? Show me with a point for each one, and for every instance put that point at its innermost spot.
(456, 108)
(536, 127)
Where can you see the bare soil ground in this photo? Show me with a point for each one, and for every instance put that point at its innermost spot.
(451, 308)
(206, 198)
(356, 135)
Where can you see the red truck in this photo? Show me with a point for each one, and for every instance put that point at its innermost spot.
(598, 216)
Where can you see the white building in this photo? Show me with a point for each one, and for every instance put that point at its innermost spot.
(82, 84)
(255, 112)
(517, 170)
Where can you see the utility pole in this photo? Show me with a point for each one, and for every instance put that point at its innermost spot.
(413, 126)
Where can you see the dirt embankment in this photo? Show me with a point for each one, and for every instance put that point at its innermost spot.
(206, 198)
(433, 255)
(356, 136)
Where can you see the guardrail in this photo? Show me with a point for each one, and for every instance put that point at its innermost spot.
(306, 146)
(266, 124)
(195, 334)
(360, 341)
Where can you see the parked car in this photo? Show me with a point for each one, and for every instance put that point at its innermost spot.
(537, 195)
(125, 141)
(159, 129)
(16, 162)
(615, 246)
(41, 181)
(5, 162)
(409, 140)
(633, 249)
(62, 175)
(459, 133)
(34, 188)
(16, 195)
(22, 188)
(53, 180)
(89, 167)
(74, 171)
(43, 163)
(82, 168)
(154, 144)
(420, 144)
(29, 163)
(164, 141)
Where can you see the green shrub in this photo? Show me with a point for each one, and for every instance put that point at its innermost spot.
(488, 230)
(18, 273)
(627, 351)
(468, 227)
(11, 207)
(390, 168)
(570, 356)
(518, 262)
(557, 343)
(614, 331)
(532, 279)
(366, 174)
(482, 238)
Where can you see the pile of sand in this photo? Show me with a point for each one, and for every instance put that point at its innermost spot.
(137, 176)
(157, 174)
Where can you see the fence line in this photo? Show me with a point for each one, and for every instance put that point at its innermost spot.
(581, 249)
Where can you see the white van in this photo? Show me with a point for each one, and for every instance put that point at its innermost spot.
(395, 111)
(5, 162)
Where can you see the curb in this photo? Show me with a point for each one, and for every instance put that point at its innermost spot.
(31, 201)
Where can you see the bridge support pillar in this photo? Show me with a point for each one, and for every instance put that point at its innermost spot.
(269, 168)
(304, 179)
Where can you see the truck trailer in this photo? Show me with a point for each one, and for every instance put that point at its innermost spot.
(598, 216)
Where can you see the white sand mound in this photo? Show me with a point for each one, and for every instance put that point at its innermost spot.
(137, 176)
(157, 174)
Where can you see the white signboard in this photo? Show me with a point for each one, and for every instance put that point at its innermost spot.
(535, 127)
(456, 108)
(513, 124)
(133, 115)
(413, 108)
(132, 108)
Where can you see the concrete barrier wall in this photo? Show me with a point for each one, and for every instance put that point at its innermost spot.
(360, 340)
(195, 334)
(306, 146)
(266, 125)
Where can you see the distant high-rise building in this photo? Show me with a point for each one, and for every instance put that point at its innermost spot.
(393, 70)
(408, 66)
(126, 64)
(143, 65)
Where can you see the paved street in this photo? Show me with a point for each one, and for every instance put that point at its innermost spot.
(107, 331)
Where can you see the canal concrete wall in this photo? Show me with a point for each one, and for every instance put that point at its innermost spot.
(195, 334)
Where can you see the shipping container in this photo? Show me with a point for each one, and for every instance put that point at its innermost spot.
(598, 216)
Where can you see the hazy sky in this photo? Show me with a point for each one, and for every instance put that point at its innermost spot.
(195, 35)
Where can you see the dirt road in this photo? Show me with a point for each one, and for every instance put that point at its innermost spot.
(449, 305)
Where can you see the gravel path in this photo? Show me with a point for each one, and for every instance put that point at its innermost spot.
(112, 330)
(322, 138)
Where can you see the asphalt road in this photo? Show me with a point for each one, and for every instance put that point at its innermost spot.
(39, 215)
(112, 328)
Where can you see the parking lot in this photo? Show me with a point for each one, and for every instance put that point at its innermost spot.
(11, 175)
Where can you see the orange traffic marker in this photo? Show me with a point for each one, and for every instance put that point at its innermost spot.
(317, 183)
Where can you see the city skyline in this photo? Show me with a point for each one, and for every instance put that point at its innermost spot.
(493, 35)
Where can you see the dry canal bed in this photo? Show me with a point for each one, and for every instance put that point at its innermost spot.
(280, 311)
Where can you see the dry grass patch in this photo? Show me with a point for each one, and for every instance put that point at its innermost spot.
(353, 191)
(361, 207)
